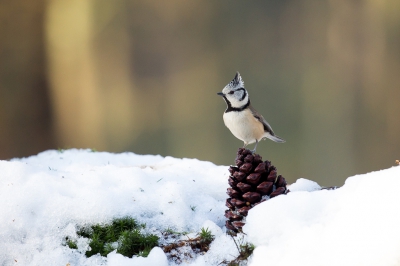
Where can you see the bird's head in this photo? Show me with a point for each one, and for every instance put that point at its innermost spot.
(234, 93)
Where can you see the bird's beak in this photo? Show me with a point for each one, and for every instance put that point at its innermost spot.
(220, 94)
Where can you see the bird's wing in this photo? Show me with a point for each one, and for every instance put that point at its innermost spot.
(259, 117)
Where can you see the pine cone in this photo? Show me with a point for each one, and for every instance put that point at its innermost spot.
(252, 181)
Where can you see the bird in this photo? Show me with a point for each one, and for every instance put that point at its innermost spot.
(241, 118)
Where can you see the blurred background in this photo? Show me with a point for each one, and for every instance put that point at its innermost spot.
(142, 76)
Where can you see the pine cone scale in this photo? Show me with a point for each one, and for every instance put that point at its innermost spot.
(265, 188)
(244, 187)
(252, 197)
(253, 178)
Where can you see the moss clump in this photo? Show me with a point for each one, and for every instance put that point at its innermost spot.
(205, 236)
(123, 235)
(134, 243)
(70, 243)
(245, 251)
(180, 250)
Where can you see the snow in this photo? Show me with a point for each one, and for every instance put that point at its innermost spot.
(156, 257)
(44, 198)
(302, 184)
(357, 224)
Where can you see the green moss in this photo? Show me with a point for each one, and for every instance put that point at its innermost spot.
(170, 231)
(123, 235)
(205, 235)
(245, 251)
(145, 252)
(133, 243)
(70, 243)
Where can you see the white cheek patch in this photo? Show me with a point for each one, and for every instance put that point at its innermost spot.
(242, 94)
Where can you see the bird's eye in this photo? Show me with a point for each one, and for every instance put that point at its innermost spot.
(231, 92)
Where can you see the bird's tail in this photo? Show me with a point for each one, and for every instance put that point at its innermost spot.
(275, 138)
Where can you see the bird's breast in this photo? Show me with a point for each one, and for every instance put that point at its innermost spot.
(244, 126)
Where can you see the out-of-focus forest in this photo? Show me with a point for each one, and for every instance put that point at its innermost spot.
(142, 76)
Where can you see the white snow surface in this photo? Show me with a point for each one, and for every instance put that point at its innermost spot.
(46, 197)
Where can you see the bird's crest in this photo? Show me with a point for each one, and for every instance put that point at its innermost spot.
(236, 82)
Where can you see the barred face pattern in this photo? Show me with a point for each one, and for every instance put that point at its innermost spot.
(235, 94)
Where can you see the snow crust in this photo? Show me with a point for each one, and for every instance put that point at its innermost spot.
(302, 184)
(45, 197)
(156, 257)
(357, 224)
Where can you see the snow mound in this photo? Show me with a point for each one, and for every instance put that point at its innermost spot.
(156, 257)
(302, 184)
(44, 198)
(357, 224)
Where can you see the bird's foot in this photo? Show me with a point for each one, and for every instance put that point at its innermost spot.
(255, 147)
